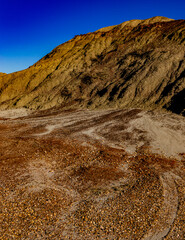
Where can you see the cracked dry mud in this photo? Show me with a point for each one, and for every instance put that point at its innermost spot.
(92, 175)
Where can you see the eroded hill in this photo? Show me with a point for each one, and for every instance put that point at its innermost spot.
(134, 64)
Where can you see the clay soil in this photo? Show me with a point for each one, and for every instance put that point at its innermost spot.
(92, 175)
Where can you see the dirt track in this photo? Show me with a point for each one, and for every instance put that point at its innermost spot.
(92, 175)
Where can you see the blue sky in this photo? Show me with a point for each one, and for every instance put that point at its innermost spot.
(29, 29)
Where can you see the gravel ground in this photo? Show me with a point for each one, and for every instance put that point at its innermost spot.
(68, 185)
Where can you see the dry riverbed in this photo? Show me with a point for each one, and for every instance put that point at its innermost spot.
(114, 174)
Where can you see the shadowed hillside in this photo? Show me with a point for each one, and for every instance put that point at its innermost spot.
(139, 63)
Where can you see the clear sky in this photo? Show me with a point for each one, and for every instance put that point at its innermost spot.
(29, 29)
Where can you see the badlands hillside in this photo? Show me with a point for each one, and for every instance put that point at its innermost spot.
(87, 148)
(139, 63)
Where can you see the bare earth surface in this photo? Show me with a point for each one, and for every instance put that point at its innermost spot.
(114, 174)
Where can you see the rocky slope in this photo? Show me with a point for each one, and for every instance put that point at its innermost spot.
(2, 74)
(139, 63)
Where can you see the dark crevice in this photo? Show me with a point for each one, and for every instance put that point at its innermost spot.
(177, 104)
(113, 92)
(182, 75)
(171, 36)
(127, 76)
(87, 80)
(167, 89)
(170, 86)
(102, 92)
(121, 94)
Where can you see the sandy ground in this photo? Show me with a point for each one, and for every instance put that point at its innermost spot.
(114, 174)
(128, 129)
(15, 113)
